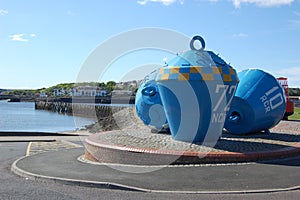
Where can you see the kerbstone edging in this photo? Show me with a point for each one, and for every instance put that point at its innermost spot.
(28, 175)
(110, 185)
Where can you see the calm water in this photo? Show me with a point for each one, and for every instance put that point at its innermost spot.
(23, 117)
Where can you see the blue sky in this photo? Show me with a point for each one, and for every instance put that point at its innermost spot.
(43, 43)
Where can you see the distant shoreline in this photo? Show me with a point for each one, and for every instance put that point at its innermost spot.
(89, 100)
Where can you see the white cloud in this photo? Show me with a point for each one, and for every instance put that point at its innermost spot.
(262, 3)
(21, 37)
(241, 35)
(142, 2)
(292, 73)
(164, 2)
(3, 12)
(18, 37)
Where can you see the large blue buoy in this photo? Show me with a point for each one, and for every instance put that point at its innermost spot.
(196, 88)
(148, 104)
(258, 105)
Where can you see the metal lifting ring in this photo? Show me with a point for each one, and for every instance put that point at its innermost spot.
(200, 39)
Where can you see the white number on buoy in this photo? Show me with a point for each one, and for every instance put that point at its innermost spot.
(273, 102)
(223, 96)
(219, 117)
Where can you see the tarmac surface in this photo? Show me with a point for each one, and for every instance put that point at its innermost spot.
(63, 161)
(64, 166)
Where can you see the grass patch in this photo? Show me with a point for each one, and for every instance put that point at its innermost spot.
(296, 115)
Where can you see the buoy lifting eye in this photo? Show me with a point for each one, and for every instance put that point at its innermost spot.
(197, 38)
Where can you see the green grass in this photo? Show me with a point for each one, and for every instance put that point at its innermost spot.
(296, 115)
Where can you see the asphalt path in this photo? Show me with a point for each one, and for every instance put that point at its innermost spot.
(16, 187)
(246, 177)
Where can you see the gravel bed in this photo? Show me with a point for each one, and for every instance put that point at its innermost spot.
(129, 131)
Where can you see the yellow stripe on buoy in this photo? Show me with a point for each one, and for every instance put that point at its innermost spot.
(175, 73)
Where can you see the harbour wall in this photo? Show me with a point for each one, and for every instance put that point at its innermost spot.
(78, 109)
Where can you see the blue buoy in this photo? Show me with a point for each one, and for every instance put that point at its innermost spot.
(196, 88)
(258, 104)
(148, 103)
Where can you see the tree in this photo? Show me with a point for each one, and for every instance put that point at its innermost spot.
(102, 84)
(294, 91)
(110, 86)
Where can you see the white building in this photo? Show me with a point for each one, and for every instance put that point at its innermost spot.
(90, 91)
(56, 92)
(124, 85)
(43, 95)
(121, 93)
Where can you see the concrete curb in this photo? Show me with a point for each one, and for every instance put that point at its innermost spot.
(28, 134)
(97, 150)
(15, 169)
(293, 149)
(29, 140)
(110, 185)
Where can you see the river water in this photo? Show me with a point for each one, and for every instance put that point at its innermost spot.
(22, 116)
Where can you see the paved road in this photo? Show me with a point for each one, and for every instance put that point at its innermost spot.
(262, 176)
(15, 187)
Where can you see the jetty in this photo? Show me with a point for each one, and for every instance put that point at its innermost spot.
(78, 108)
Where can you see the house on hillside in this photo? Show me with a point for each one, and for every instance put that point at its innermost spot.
(86, 91)
(127, 85)
(93, 91)
(56, 92)
(43, 95)
(121, 93)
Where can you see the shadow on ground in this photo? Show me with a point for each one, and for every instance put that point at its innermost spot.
(284, 137)
(239, 146)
